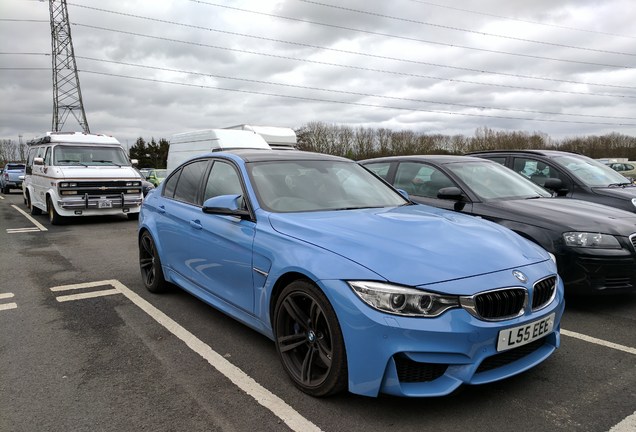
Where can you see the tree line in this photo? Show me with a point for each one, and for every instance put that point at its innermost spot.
(363, 143)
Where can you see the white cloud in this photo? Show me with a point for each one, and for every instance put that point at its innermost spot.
(425, 57)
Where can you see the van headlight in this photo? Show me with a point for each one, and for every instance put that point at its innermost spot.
(399, 300)
(591, 240)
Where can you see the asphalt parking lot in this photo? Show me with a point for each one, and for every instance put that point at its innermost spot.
(84, 347)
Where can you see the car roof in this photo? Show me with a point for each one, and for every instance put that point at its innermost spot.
(255, 155)
(440, 159)
(534, 152)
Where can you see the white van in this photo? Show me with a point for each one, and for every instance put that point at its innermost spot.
(72, 174)
(278, 138)
(185, 145)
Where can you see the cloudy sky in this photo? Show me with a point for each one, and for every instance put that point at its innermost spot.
(153, 68)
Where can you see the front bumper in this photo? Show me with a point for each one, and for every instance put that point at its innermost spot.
(608, 274)
(86, 202)
(420, 357)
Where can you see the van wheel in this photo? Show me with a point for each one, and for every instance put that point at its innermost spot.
(54, 216)
(33, 209)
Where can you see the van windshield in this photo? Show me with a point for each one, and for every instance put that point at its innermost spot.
(64, 155)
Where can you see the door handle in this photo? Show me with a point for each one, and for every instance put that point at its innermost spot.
(196, 224)
(161, 209)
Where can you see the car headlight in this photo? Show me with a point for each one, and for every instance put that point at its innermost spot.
(591, 240)
(404, 301)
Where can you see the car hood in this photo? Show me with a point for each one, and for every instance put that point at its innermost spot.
(96, 172)
(568, 215)
(412, 245)
(626, 192)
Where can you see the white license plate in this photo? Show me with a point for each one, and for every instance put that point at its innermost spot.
(517, 336)
(104, 204)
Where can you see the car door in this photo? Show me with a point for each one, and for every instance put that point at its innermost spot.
(538, 171)
(224, 262)
(211, 252)
(425, 181)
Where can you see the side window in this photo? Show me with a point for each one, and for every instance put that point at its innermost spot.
(499, 159)
(536, 170)
(40, 152)
(427, 180)
(223, 180)
(187, 189)
(47, 156)
(380, 169)
(171, 184)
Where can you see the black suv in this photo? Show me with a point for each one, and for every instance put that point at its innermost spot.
(570, 175)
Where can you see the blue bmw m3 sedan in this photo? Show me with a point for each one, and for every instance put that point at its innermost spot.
(359, 288)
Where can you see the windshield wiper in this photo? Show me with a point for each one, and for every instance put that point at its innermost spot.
(619, 184)
(534, 197)
(71, 161)
(108, 162)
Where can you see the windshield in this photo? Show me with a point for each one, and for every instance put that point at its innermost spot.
(590, 172)
(160, 173)
(291, 186)
(491, 181)
(89, 156)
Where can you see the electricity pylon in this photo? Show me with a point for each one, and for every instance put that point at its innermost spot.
(67, 96)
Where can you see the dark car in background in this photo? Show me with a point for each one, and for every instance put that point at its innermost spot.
(594, 245)
(569, 175)
(12, 176)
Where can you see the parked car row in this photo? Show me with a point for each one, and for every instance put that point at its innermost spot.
(594, 244)
(359, 288)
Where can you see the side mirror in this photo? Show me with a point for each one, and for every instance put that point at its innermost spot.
(226, 205)
(134, 162)
(404, 193)
(452, 193)
(38, 161)
(555, 185)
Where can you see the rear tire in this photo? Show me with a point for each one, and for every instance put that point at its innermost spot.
(5, 190)
(33, 209)
(150, 265)
(133, 216)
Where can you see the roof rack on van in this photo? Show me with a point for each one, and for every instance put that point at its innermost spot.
(73, 137)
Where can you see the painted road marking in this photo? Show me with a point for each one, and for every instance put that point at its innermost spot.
(38, 225)
(599, 341)
(627, 425)
(85, 295)
(7, 306)
(264, 397)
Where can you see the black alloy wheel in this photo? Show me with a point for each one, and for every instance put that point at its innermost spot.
(309, 340)
(150, 265)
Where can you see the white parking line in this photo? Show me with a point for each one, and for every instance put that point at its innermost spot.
(7, 306)
(39, 226)
(598, 341)
(267, 399)
(627, 425)
(87, 295)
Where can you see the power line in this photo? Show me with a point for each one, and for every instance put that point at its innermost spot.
(306, 98)
(381, 57)
(407, 38)
(360, 68)
(521, 20)
(446, 27)
(255, 81)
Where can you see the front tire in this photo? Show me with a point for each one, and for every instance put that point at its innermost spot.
(309, 340)
(150, 265)
(133, 216)
(54, 216)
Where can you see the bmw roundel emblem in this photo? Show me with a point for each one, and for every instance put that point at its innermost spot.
(519, 275)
